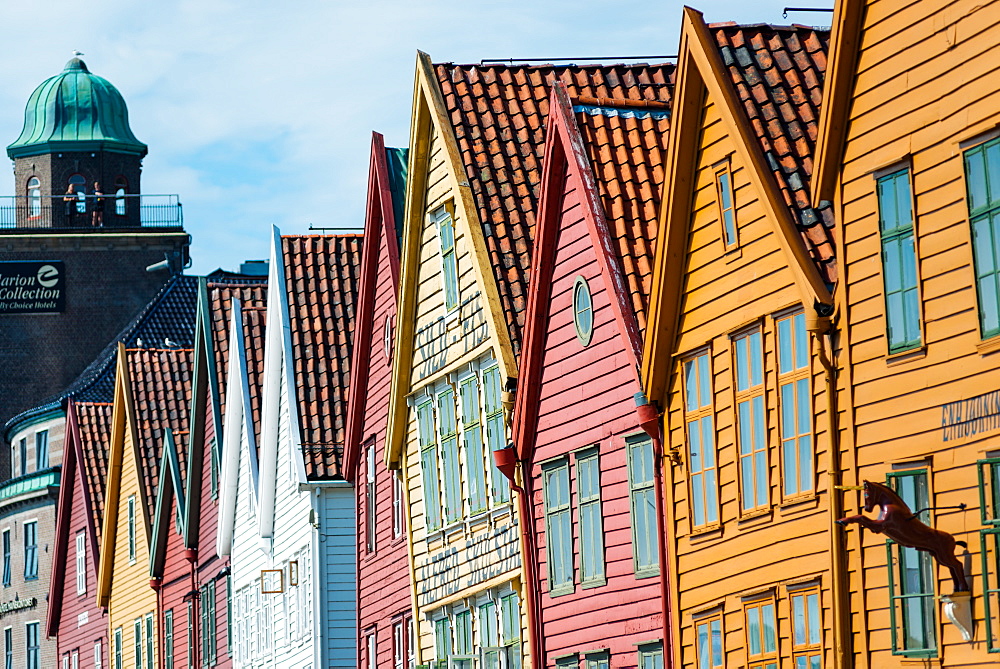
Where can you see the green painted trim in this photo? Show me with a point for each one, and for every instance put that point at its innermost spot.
(13, 428)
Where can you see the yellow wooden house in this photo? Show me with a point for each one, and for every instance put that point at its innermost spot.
(737, 355)
(151, 397)
(909, 157)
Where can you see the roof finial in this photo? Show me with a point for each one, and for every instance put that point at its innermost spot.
(77, 54)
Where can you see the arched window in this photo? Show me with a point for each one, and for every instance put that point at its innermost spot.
(79, 186)
(34, 197)
(121, 187)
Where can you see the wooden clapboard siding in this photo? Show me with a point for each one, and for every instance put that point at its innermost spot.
(925, 81)
(336, 580)
(722, 293)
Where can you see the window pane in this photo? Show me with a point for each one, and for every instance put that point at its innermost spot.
(704, 381)
(976, 178)
(814, 620)
(716, 643)
(801, 341)
(798, 620)
(785, 345)
(756, 363)
(753, 631)
(691, 385)
(767, 621)
(742, 366)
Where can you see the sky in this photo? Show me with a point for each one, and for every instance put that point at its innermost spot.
(260, 113)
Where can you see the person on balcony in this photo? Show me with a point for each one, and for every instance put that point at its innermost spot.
(70, 199)
(97, 215)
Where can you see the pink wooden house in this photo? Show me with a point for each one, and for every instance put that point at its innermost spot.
(594, 572)
(385, 622)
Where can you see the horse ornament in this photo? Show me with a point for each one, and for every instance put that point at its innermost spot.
(896, 521)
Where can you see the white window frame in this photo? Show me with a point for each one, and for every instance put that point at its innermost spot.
(81, 563)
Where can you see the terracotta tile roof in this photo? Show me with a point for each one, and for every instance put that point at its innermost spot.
(627, 148)
(161, 393)
(94, 422)
(321, 275)
(254, 318)
(778, 74)
(252, 296)
(499, 114)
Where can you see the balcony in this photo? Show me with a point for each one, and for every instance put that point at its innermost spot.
(89, 213)
(29, 483)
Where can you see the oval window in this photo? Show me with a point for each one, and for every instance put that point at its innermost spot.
(583, 311)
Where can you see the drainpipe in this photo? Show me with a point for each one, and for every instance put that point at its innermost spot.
(649, 421)
(157, 585)
(822, 329)
(191, 555)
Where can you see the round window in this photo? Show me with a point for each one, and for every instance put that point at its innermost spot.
(583, 311)
(387, 337)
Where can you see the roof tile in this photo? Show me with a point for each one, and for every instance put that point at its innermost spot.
(94, 423)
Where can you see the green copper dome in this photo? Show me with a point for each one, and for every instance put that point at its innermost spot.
(75, 111)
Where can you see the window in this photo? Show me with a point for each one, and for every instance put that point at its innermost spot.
(568, 662)
(397, 503)
(6, 558)
(34, 652)
(911, 576)
(463, 657)
(387, 338)
(75, 659)
(989, 506)
(449, 259)
(81, 563)
(24, 456)
(34, 197)
(708, 636)
(807, 640)
(411, 643)
(121, 186)
(583, 311)
(795, 396)
(31, 550)
(8, 648)
(558, 527)
(448, 432)
(489, 635)
(442, 641)
(982, 177)
(98, 655)
(150, 658)
(727, 207)
(65, 661)
(118, 648)
(190, 636)
(899, 261)
(429, 464)
(209, 646)
(131, 529)
(597, 660)
(496, 434)
(752, 433)
(761, 635)
(372, 650)
(510, 627)
(168, 639)
(701, 441)
(138, 643)
(398, 645)
(645, 553)
(472, 439)
(78, 185)
(651, 656)
(41, 450)
(588, 487)
(370, 498)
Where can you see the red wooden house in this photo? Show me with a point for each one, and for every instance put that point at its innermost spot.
(74, 617)
(593, 566)
(385, 623)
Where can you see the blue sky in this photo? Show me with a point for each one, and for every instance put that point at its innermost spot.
(257, 113)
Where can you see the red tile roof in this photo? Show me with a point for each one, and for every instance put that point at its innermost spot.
(322, 274)
(254, 318)
(627, 148)
(778, 75)
(161, 394)
(498, 113)
(220, 300)
(94, 423)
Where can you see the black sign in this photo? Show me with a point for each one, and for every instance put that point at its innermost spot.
(32, 287)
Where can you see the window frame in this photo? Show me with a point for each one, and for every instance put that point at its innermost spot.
(987, 212)
(599, 578)
(556, 511)
(711, 507)
(808, 648)
(496, 430)
(988, 471)
(754, 395)
(33, 190)
(41, 449)
(8, 647)
(766, 658)
(33, 651)
(30, 551)
(119, 648)
(471, 426)
(137, 625)
(650, 652)
(81, 563)
(370, 496)
(451, 465)
(722, 176)
(898, 235)
(397, 503)
(131, 529)
(429, 464)
(150, 640)
(584, 335)
(647, 489)
(597, 659)
(794, 377)
(895, 562)
(441, 217)
(7, 562)
(707, 621)
(168, 639)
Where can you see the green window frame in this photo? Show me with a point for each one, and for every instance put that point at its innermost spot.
(568, 661)
(709, 640)
(510, 629)
(590, 517)
(449, 258)
(496, 432)
(472, 441)
(150, 640)
(118, 648)
(748, 361)
(137, 625)
(899, 260)
(807, 629)
(727, 206)
(448, 434)
(912, 609)
(463, 657)
(761, 629)
(642, 507)
(442, 642)
(168, 639)
(982, 179)
(700, 430)
(131, 528)
(989, 536)
(651, 655)
(597, 659)
(558, 527)
(489, 635)
(429, 464)
(795, 403)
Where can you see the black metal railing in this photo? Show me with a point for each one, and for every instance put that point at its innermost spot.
(90, 212)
